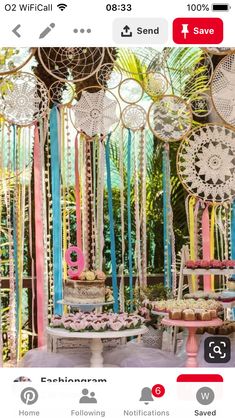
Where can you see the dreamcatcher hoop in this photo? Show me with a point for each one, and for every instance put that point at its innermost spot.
(96, 112)
(134, 117)
(61, 93)
(84, 61)
(20, 63)
(130, 91)
(201, 105)
(222, 89)
(205, 163)
(25, 102)
(109, 76)
(170, 118)
(155, 84)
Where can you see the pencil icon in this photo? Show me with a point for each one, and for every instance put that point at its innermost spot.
(46, 31)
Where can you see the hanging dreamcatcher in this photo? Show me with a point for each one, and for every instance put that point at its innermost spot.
(222, 89)
(134, 117)
(201, 105)
(130, 91)
(170, 118)
(109, 76)
(71, 64)
(13, 59)
(96, 112)
(23, 99)
(155, 84)
(61, 93)
(206, 164)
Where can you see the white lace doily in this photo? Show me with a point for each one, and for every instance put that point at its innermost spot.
(23, 99)
(13, 59)
(71, 64)
(134, 117)
(96, 113)
(170, 118)
(206, 163)
(109, 76)
(61, 93)
(201, 105)
(130, 91)
(155, 84)
(223, 89)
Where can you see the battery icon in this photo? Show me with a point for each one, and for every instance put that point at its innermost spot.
(220, 7)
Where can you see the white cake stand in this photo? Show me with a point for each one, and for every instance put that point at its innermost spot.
(96, 340)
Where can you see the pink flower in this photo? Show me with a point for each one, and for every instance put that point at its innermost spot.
(56, 322)
(98, 326)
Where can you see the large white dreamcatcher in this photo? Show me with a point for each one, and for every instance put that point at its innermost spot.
(223, 89)
(13, 59)
(96, 113)
(170, 118)
(206, 163)
(23, 99)
(71, 64)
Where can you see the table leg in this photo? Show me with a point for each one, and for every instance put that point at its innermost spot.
(192, 348)
(96, 353)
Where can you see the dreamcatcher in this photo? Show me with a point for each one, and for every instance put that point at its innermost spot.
(222, 89)
(23, 99)
(155, 84)
(13, 59)
(206, 169)
(130, 91)
(71, 64)
(201, 105)
(219, 50)
(109, 76)
(96, 113)
(61, 93)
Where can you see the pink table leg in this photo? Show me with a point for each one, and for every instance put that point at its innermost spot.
(192, 348)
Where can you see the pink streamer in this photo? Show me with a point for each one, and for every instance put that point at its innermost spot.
(39, 235)
(206, 246)
(78, 197)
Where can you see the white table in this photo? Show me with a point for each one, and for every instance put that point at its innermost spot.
(96, 340)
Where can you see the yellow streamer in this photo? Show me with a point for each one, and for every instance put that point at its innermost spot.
(212, 244)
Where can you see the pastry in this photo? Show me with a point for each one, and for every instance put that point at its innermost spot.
(188, 315)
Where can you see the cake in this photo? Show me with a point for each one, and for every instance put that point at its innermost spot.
(87, 289)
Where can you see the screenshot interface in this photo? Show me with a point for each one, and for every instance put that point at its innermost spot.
(117, 208)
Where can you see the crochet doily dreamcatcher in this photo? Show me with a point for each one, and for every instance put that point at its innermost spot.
(201, 105)
(61, 93)
(71, 64)
(170, 118)
(155, 84)
(134, 117)
(223, 87)
(219, 51)
(23, 99)
(206, 163)
(109, 76)
(13, 59)
(96, 113)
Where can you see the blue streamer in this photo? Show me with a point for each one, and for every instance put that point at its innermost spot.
(56, 211)
(111, 226)
(166, 215)
(129, 219)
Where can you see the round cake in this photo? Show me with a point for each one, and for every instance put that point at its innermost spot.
(87, 289)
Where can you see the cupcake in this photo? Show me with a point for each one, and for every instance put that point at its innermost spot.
(90, 276)
(100, 275)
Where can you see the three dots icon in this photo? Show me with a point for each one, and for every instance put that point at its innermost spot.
(82, 30)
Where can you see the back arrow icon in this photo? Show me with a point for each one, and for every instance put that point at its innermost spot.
(15, 31)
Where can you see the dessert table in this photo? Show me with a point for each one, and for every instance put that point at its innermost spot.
(192, 344)
(96, 338)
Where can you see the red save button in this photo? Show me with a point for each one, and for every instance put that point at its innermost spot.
(198, 30)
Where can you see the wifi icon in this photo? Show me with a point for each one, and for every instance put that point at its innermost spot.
(62, 6)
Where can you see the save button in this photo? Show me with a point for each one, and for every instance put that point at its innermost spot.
(198, 31)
